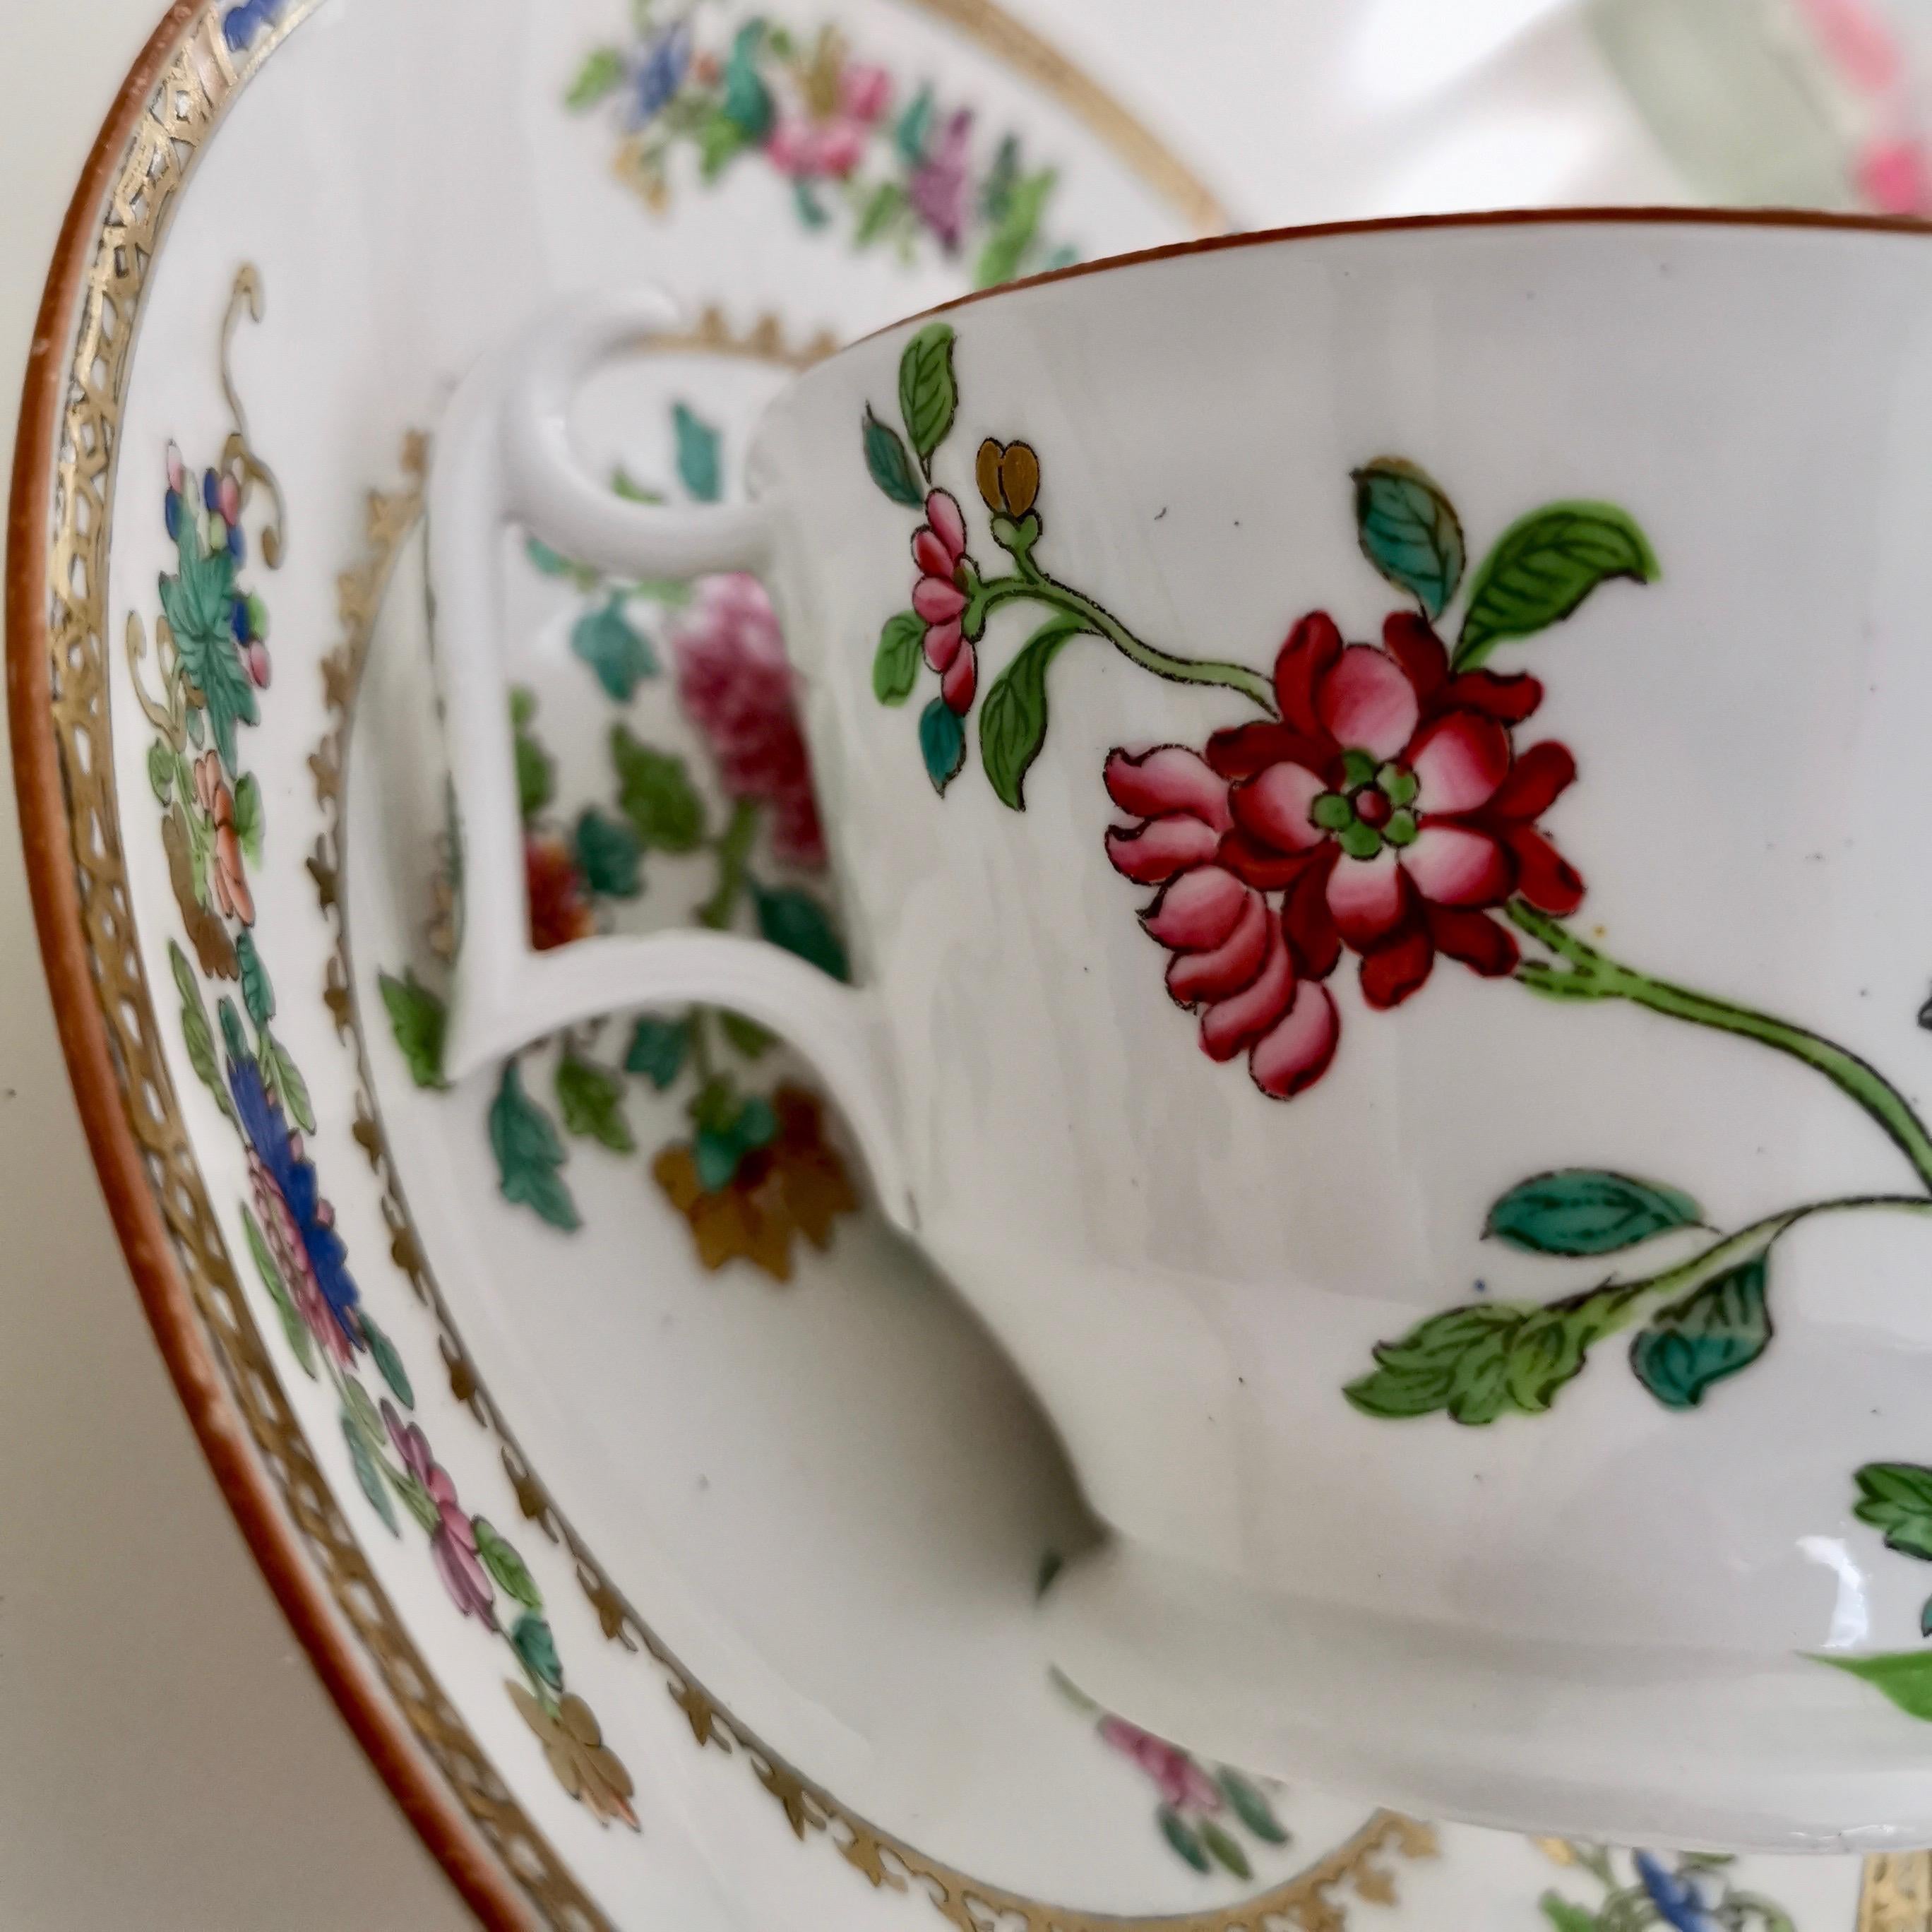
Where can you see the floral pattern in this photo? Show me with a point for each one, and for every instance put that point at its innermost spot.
(1376, 805)
(1691, 1892)
(212, 659)
(892, 167)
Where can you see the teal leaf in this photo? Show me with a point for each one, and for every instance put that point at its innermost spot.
(417, 1019)
(1587, 1211)
(285, 1077)
(591, 1098)
(811, 210)
(258, 995)
(890, 467)
(1174, 1829)
(197, 1037)
(748, 1037)
(505, 1565)
(1897, 1498)
(1226, 1852)
(388, 1364)
(1251, 1807)
(529, 1154)
(198, 601)
(756, 1125)
(796, 921)
(929, 391)
(1565, 1917)
(302, 1343)
(910, 130)
(614, 648)
(715, 1155)
(248, 817)
(658, 1050)
(655, 793)
(161, 769)
(942, 743)
(609, 855)
(1905, 1676)
(1005, 252)
(600, 73)
(895, 663)
(530, 1638)
(1925, 1617)
(197, 726)
(536, 776)
(1543, 567)
(1013, 719)
(1722, 1328)
(748, 100)
(234, 1041)
(1409, 531)
(366, 1472)
(554, 563)
(698, 467)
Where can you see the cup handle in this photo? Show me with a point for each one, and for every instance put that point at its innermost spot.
(503, 456)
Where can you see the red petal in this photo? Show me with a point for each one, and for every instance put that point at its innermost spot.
(1367, 898)
(942, 512)
(1313, 647)
(936, 600)
(1296, 1054)
(1366, 699)
(1544, 877)
(1233, 965)
(1261, 866)
(1308, 925)
(1243, 750)
(1483, 944)
(942, 644)
(1459, 761)
(957, 686)
(1198, 910)
(1170, 778)
(1408, 639)
(930, 554)
(1537, 779)
(1151, 854)
(1228, 1025)
(1457, 865)
(1272, 807)
(1394, 971)
(1510, 699)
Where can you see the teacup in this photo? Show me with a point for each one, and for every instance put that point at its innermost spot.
(1377, 776)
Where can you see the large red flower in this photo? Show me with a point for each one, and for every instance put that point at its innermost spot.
(1390, 807)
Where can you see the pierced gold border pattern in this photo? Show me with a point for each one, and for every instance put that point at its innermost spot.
(194, 88)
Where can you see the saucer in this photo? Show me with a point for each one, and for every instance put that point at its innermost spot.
(668, 1533)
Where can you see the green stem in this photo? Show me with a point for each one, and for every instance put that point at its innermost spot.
(1589, 974)
(733, 850)
(1034, 587)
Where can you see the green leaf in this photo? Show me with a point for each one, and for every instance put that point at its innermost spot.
(658, 1049)
(895, 663)
(601, 73)
(890, 467)
(417, 1018)
(388, 1364)
(1587, 1211)
(748, 100)
(591, 1098)
(200, 843)
(1897, 1497)
(655, 793)
(1226, 1852)
(288, 1082)
(885, 207)
(942, 743)
(796, 921)
(1905, 1676)
(161, 769)
(910, 130)
(929, 391)
(698, 460)
(416, 1499)
(366, 1472)
(1012, 720)
(197, 726)
(197, 1038)
(554, 563)
(1006, 250)
(529, 1154)
(302, 1343)
(1174, 1828)
(1565, 1916)
(747, 1036)
(536, 776)
(505, 1565)
(1409, 531)
(1542, 566)
(1722, 1328)
(624, 484)
(619, 653)
(719, 138)
(248, 817)
(530, 1638)
(1251, 1807)
(197, 602)
(258, 995)
(362, 1410)
(608, 851)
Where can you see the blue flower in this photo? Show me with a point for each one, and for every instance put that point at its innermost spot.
(1678, 1898)
(662, 74)
(240, 24)
(294, 1176)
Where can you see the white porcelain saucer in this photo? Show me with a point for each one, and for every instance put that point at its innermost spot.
(663, 1592)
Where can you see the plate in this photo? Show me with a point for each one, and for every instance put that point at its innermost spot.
(667, 1535)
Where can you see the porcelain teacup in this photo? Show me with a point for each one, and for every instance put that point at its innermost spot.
(1376, 777)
